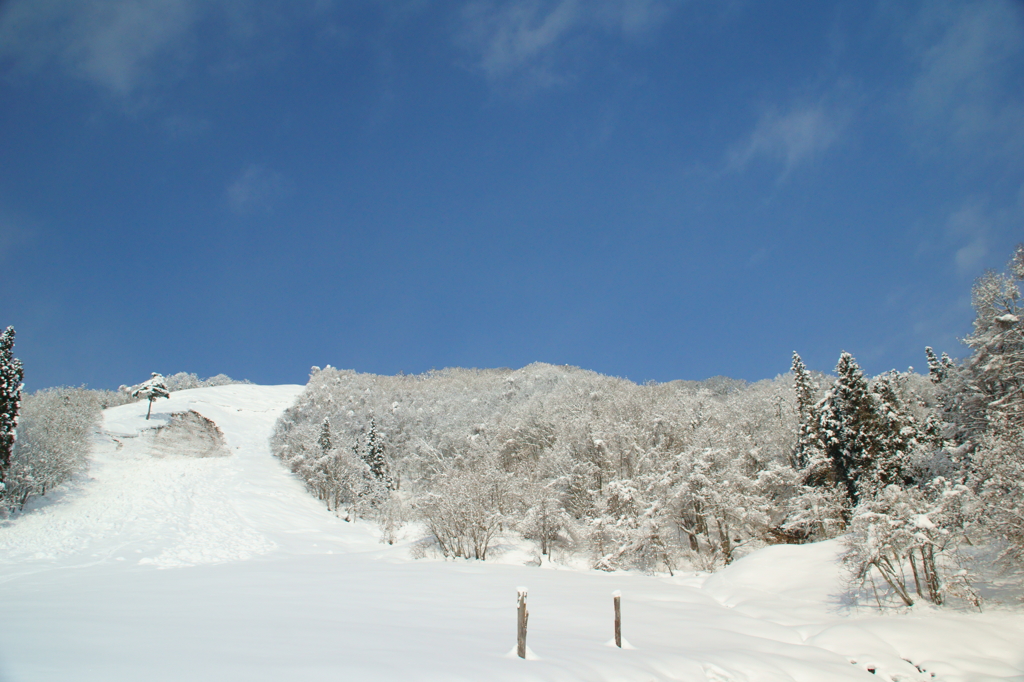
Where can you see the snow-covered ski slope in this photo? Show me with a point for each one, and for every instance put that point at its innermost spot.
(159, 565)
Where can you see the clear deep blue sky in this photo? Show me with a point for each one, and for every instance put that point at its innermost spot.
(653, 189)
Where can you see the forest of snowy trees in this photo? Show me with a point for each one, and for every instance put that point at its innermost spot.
(635, 475)
(922, 475)
(916, 472)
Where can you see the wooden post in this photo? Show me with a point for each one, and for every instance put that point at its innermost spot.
(617, 597)
(524, 615)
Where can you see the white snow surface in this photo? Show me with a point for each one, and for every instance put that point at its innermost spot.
(163, 566)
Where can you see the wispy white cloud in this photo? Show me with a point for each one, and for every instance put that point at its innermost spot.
(969, 227)
(534, 39)
(792, 138)
(964, 102)
(257, 189)
(124, 45)
(634, 17)
(969, 59)
(977, 227)
(111, 43)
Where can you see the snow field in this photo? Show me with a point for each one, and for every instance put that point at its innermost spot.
(159, 566)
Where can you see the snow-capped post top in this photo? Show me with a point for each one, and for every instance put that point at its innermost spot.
(617, 594)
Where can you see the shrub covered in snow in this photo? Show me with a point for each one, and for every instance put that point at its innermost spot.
(182, 381)
(53, 441)
(911, 540)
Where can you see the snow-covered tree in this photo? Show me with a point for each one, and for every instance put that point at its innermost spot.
(911, 538)
(997, 475)
(899, 434)
(847, 426)
(376, 458)
(717, 506)
(467, 507)
(324, 441)
(391, 516)
(182, 381)
(865, 433)
(53, 441)
(151, 389)
(804, 387)
(336, 475)
(806, 391)
(995, 370)
(548, 450)
(938, 368)
(983, 407)
(11, 375)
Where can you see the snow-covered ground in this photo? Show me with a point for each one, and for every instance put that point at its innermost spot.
(159, 565)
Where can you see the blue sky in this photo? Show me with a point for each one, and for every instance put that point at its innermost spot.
(654, 189)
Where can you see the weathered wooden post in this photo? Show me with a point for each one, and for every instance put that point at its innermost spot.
(617, 597)
(523, 616)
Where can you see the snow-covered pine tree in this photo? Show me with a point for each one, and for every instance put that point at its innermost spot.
(804, 386)
(376, 458)
(863, 434)
(11, 375)
(151, 389)
(958, 419)
(319, 479)
(813, 510)
(938, 368)
(898, 434)
(805, 389)
(324, 441)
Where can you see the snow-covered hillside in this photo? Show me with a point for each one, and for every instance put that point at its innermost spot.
(187, 554)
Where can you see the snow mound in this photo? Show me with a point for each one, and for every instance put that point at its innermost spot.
(188, 434)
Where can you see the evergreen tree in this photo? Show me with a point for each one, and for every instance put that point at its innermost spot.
(324, 441)
(848, 429)
(866, 432)
(375, 457)
(806, 389)
(11, 375)
(804, 386)
(151, 389)
(897, 433)
(938, 368)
